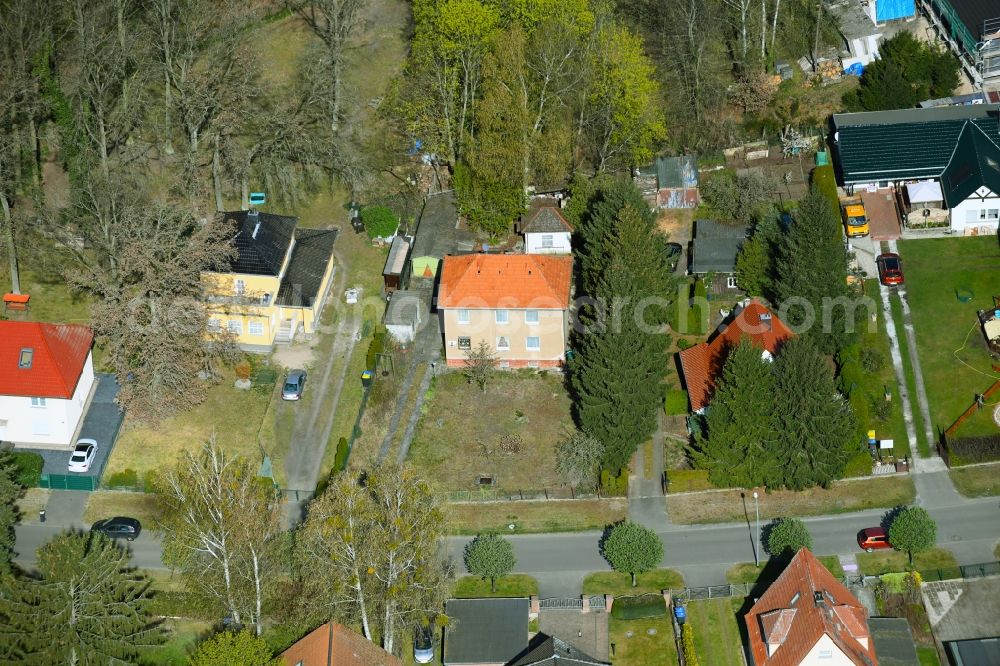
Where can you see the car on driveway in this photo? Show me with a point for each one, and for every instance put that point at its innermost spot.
(83, 455)
(873, 538)
(890, 269)
(674, 252)
(295, 383)
(119, 527)
(423, 645)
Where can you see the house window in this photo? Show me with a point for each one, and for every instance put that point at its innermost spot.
(463, 316)
(502, 316)
(993, 213)
(971, 215)
(547, 240)
(503, 343)
(533, 364)
(214, 325)
(504, 365)
(731, 282)
(825, 654)
(531, 316)
(24, 359)
(38, 402)
(532, 343)
(982, 213)
(265, 299)
(239, 286)
(464, 342)
(235, 327)
(256, 328)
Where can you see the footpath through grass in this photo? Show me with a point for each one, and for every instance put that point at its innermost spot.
(620, 584)
(909, 375)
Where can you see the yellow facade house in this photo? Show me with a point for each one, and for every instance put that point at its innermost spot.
(276, 286)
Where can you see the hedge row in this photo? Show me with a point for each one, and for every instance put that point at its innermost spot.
(825, 181)
(984, 448)
(634, 608)
(29, 468)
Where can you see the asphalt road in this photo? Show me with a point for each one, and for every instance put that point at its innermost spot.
(702, 553)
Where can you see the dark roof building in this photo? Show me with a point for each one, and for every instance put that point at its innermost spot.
(970, 28)
(438, 233)
(310, 257)
(552, 651)
(965, 618)
(485, 631)
(261, 241)
(715, 246)
(545, 220)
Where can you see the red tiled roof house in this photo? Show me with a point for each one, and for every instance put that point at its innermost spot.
(46, 376)
(518, 304)
(333, 644)
(702, 363)
(807, 617)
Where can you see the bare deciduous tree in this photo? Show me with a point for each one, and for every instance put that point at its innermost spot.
(480, 364)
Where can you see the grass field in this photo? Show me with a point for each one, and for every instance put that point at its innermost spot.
(514, 585)
(747, 572)
(716, 632)
(553, 516)
(890, 561)
(928, 656)
(181, 636)
(620, 584)
(978, 480)
(842, 496)
(953, 356)
(909, 375)
(642, 642)
(109, 503)
(457, 438)
(877, 382)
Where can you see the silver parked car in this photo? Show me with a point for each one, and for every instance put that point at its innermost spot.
(295, 382)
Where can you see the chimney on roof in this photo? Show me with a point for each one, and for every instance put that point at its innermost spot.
(765, 318)
(818, 598)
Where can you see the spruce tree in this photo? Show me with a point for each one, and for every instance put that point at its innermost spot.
(811, 275)
(10, 491)
(738, 448)
(814, 423)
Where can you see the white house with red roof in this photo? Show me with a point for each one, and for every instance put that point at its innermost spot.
(46, 377)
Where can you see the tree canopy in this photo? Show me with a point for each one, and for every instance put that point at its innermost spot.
(632, 548)
(907, 71)
(913, 530)
(788, 536)
(226, 648)
(490, 556)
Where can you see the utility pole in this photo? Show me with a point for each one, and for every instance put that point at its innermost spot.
(819, 18)
(756, 550)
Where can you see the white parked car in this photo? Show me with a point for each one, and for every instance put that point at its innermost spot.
(351, 295)
(83, 455)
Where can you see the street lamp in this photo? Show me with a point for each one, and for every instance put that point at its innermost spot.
(756, 550)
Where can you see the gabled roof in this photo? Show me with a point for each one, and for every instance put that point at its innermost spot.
(485, 631)
(715, 246)
(974, 163)
(262, 253)
(477, 281)
(310, 257)
(438, 232)
(552, 651)
(908, 144)
(58, 353)
(673, 172)
(545, 220)
(702, 363)
(333, 644)
(399, 252)
(805, 603)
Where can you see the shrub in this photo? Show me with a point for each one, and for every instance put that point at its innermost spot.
(376, 347)
(634, 608)
(872, 359)
(848, 353)
(614, 483)
(151, 481)
(984, 448)
(29, 468)
(825, 182)
(127, 478)
(860, 464)
(851, 378)
(687, 636)
(861, 406)
(684, 343)
(243, 370)
(675, 403)
(379, 221)
(787, 534)
(688, 480)
(340, 459)
(881, 408)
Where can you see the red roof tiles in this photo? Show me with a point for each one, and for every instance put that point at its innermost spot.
(491, 281)
(333, 644)
(58, 355)
(702, 363)
(805, 603)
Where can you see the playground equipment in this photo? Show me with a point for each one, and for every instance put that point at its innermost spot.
(990, 320)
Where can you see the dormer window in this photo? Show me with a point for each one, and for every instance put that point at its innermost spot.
(25, 358)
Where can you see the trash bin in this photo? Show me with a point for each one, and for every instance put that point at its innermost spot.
(41, 515)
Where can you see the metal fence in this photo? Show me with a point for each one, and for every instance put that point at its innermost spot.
(572, 603)
(487, 494)
(966, 571)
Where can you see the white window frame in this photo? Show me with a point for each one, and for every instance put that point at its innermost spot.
(993, 214)
(255, 328)
(531, 317)
(504, 365)
(468, 342)
(548, 240)
(234, 326)
(214, 325)
(731, 282)
(265, 299)
(971, 215)
(501, 317)
(534, 364)
(537, 339)
(38, 403)
(504, 339)
(239, 286)
(463, 316)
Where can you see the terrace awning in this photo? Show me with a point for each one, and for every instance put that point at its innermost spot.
(926, 191)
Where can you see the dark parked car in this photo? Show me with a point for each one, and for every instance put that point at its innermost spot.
(118, 527)
(295, 382)
(890, 268)
(674, 251)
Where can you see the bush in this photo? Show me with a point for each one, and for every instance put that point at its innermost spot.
(984, 448)
(861, 406)
(881, 408)
(151, 481)
(684, 343)
(614, 484)
(687, 639)
(243, 370)
(29, 468)
(825, 182)
(376, 347)
(852, 377)
(634, 608)
(675, 403)
(688, 480)
(860, 464)
(872, 359)
(340, 458)
(848, 353)
(127, 478)
(379, 221)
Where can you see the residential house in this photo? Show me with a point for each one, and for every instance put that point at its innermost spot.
(485, 632)
(702, 364)
(546, 231)
(808, 617)
(965, 618)
(670, 182)
(971, 29)
(551, 651)
(46, 379)
(397, 265)
(714, 250)
(277, 284)
(518, 304)
(439, 233)
(956, 149)
(858, 32)
(333, 644)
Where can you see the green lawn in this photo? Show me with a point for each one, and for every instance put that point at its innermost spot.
(540, 516)
(928, 656)
(632, 644)
(911, 383)
(620, 584)
(950, 342)
(978, 480)
(514, 585)
(747, 572)
(889, 561)
(716, 632)
(876, 383)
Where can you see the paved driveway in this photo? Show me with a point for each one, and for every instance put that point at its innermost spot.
(883, 221)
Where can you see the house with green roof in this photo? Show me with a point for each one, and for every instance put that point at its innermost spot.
(947, 157)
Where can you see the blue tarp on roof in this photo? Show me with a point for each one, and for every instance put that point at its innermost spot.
(892, 10)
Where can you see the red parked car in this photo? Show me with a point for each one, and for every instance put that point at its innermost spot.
(890, 268)
(873, 538)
